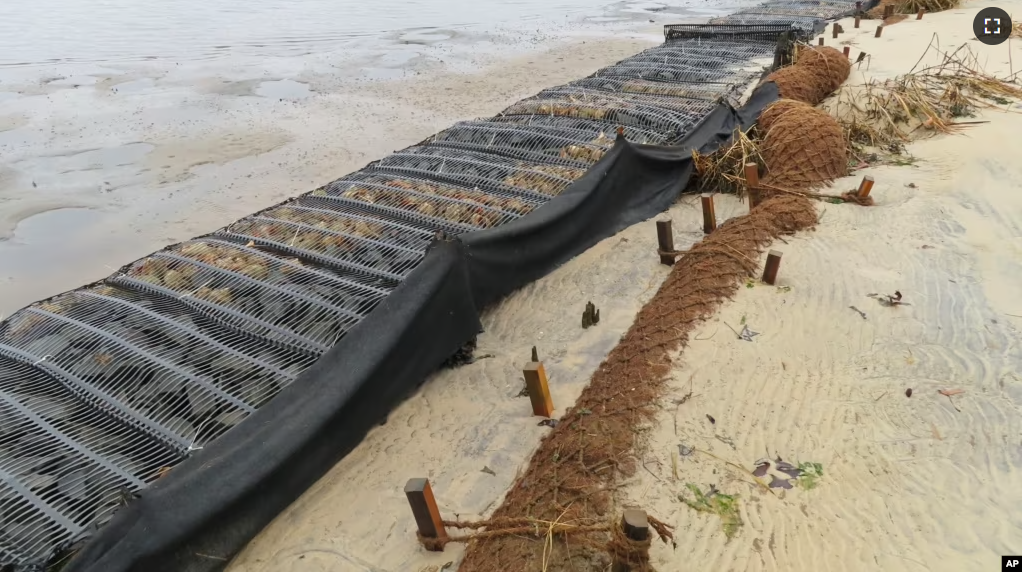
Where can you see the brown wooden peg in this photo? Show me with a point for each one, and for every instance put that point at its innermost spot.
(773, 264)
(425, 511)
(539, 389)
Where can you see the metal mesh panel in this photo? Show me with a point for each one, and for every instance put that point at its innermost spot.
(692, 51)
(671, 73)
(598, 128)
(821, 10)
(185, 389)
(491, 173)
(341, 237)
(760, 32)
(432, 204)
(254, 292)
(688, 108)
(525, 142)
(64, 466)
(671, 119)
(805, 24)
(704, 91)
(686, 61)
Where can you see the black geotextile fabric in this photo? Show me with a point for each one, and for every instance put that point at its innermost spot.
(207, 508)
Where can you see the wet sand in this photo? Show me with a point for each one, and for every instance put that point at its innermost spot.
(159, 160)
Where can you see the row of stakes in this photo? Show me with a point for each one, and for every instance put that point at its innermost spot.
(634, 523)
(888, 12)
(665, 236)
(419, 492)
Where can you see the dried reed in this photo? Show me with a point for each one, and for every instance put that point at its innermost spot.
(883, 115)
(723, 171)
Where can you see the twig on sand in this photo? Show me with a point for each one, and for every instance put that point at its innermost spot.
(740, 468)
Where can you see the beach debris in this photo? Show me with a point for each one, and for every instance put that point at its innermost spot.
(762, 466)
(860, 312)
(548, 423)
(712, 420)
(889, 300)
(685, 450)
(949, 393)
(777, 483)
(463, 356)
(488, 471)
(747, 334)
(718, 503)
(908, 392)
(787, 468)
(591, 316)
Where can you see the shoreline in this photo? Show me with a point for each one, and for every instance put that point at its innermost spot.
(171, 186)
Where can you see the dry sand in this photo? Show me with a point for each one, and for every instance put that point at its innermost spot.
(161, 159)
(910, 483)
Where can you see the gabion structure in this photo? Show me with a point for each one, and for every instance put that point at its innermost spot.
(105, 388)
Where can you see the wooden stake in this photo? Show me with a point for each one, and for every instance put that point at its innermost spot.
(865, 187)
(424, 509)
(665, 239)
(821, 40)
(539, 391)
(888, 11)
(709, 215)
(847, 51)
(535, 354)
(880, 30)
(836, 31)
(857, 20)
(862, 56)
(858, 8)
(752, 183)
(919, 15)
(773, 264)
(635, 524)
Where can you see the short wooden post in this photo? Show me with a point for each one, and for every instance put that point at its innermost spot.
(709, 215)
(919, 15)
(752, 183)
(425, 511)
(773, 263)
(635, 525)
(865, 187)
(888, 11)
(858, 6)
(665, 239)
(880, 30)
(836, 31)
(847, 51)
(821, 40)
(539, 391)
(858, 19)
(862, 56)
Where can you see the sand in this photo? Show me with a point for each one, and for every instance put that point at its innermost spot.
(161, 159)
(925, 482)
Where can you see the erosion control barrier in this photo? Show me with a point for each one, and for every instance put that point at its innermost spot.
(307, 322)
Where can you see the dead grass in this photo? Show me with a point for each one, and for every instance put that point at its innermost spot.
(881, 116)
(902, 8)
(724, 170)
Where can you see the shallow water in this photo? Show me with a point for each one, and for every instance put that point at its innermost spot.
(103, 31)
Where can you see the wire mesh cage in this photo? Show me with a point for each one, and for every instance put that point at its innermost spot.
(342, 238)
(804, 25)
(822, 10)
(692, 109)
(598, 128)
(756, 32)
(65, 467)
(675, 73)
(491, 173)
(525, 142)
(674, 120)
(429, 203)
(244, 288)
(727, 53)
(703, 91)
(678, 58)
